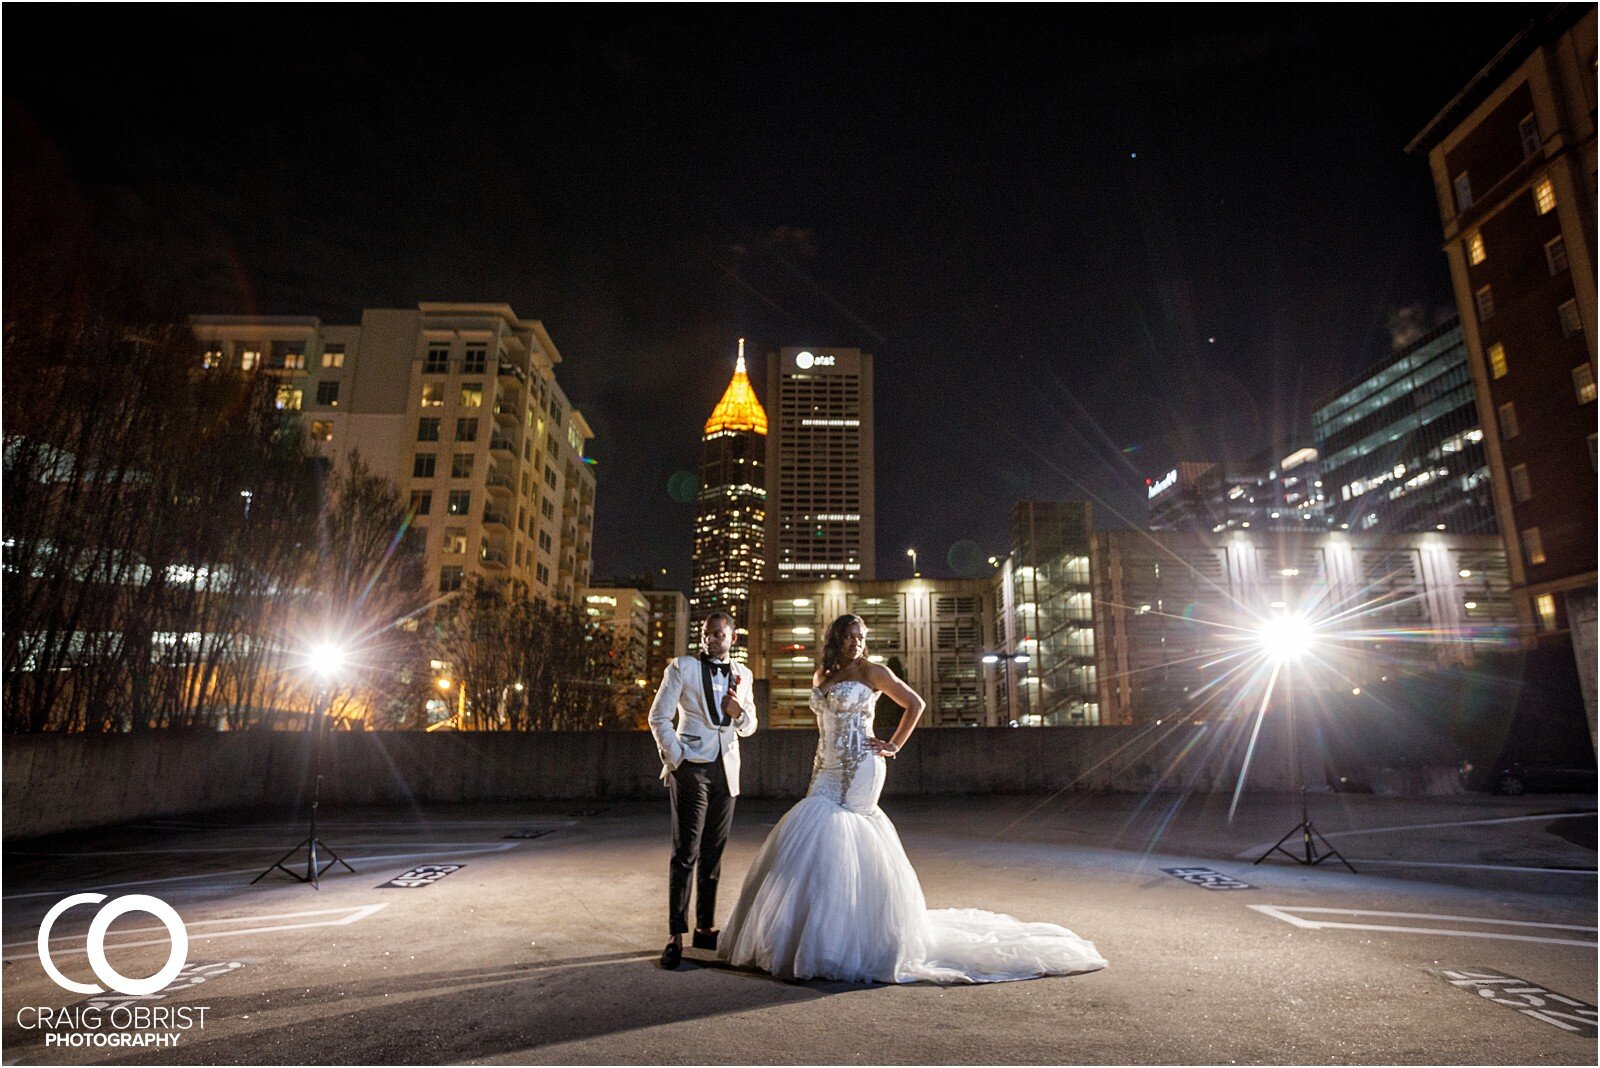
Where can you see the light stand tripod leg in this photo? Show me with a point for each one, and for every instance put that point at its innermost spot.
(315, 867)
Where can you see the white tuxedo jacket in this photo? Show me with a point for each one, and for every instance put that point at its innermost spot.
(686, 729)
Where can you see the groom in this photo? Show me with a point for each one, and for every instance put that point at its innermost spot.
(710, 698)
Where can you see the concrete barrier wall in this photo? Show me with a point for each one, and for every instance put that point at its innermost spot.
(62, 782)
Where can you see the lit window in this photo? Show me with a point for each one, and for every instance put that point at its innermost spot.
(212, 357)
(1508, 420)
(1544, 196)
(472, 394)
(1485, 304)
(289, 399)
(333, 356)
(1475, 250)
(1463, 191)
(1521, 484)
(1555, 255)
(327, 394)
(249, 359)
(1570, 323)
(1583, 382)
(321, 430)
(1497, 360)
(1545, 603)
(422, 465)
(432, 396)
(1528, 129)
(1532, 546)
(455, 540)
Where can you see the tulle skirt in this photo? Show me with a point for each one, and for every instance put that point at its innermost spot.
(832, 895)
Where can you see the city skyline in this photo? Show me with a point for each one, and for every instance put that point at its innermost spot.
(1047, 272)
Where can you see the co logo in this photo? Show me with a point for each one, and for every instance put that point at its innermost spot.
(96, 947)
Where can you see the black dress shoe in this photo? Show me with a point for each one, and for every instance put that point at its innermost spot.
(706, 939)
(672, 956)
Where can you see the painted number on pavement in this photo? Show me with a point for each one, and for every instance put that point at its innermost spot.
(1530, 999)
(1211, 880)
(422, 875)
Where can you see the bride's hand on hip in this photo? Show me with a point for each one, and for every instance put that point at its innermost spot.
(882, 748)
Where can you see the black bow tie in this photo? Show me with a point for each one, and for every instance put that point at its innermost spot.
(716, 668)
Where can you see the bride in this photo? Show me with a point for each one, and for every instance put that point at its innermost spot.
(831, 894)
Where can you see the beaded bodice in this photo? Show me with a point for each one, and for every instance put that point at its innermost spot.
(844, 720)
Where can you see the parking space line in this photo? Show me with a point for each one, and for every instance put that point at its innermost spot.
(265, 848)
(1475, 867)
(1287, 913)
(354, 913)
(498, 847)
(1255, 850)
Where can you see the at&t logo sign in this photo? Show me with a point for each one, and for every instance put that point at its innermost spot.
(807, 360)
(177, 956)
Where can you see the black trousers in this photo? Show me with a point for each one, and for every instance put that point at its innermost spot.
(702, 815)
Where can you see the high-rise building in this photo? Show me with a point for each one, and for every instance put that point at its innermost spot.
(458, 406)
(821, 520)
(931, 632)
(625, 612)
(1402, 451)
(730, 524)
(1044, 658)
(1513, 160)
(669, 630)
(1269, 491)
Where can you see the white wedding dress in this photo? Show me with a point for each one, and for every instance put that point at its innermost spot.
(832, 895)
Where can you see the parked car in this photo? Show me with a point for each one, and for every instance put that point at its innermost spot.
(1521, 777)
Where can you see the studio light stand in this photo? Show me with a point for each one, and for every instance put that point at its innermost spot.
(316, 850)
(1314, 848)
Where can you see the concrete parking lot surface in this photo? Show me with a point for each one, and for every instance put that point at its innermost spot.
(541, 946)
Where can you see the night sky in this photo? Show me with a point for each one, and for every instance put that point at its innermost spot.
(1038, 219)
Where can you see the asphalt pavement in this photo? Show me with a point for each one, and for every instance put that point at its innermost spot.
(1467, 936)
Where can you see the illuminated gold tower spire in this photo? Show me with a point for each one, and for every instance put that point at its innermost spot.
(739, 408)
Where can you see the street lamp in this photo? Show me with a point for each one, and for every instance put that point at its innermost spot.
(914, 572)
(323, 661)
(1284, 640)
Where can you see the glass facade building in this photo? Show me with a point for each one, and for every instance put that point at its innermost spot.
(1402, 448)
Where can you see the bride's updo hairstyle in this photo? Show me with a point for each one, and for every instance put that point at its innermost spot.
(833, 644)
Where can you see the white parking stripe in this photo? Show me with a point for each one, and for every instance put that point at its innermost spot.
(358, 912)
(1286, 913)
(1256, 850)
(499, 847)
(1475, 867)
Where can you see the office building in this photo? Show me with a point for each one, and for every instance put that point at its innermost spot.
(931, 632)
(1401, 447)
(1513, 162)
(1043, 661)
(1279, 489)
(670, 635)
(820, 490)
(730, 522)
(458, 406)
(625, 613)
(1177, 614)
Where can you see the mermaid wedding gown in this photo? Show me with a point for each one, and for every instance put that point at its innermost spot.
(832, 895)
